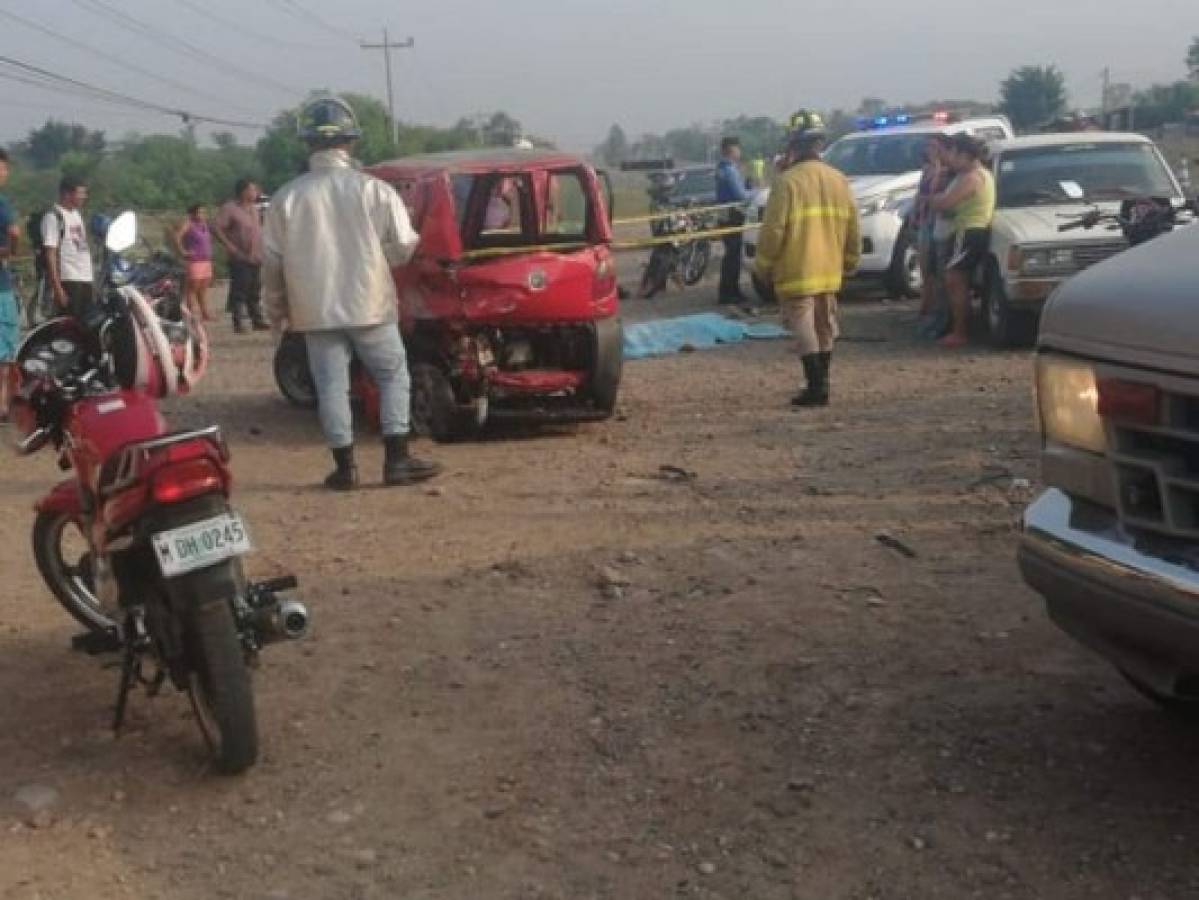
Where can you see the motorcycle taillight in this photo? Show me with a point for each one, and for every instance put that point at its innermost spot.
(181, 481)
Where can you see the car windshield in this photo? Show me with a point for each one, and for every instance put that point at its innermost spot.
(1053, 175)
(878, 154)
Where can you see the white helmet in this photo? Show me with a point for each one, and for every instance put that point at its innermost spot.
(157, 355)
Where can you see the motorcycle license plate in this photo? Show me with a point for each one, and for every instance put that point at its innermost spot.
(201, 544)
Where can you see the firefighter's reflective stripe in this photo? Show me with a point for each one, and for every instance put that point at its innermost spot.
(807, 287)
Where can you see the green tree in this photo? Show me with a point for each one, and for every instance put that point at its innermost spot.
(47, 145)
(1033, 95)
(615, 148)
(1193, 59)
(501, 130)
(1163, 104)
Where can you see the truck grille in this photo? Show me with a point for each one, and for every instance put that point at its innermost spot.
(1087, 255)
(1156, 467)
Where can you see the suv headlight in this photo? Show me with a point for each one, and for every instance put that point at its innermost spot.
(1048, 259)
(1068, 400)
(877, 203)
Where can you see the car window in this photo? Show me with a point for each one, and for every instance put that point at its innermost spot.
(880, 154)
(566, 206)
(1104, 171)
(990, 133)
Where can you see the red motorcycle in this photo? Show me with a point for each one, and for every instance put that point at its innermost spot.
(141, 544)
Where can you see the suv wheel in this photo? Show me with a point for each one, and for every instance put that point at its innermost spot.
(905, 279)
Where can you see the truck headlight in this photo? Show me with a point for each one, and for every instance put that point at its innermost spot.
(1059, 259)
(1068, 400)
(877, 203)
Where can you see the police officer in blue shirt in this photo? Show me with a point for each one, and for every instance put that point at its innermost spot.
(730, 188)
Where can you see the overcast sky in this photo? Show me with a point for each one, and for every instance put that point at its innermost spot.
(568, 69)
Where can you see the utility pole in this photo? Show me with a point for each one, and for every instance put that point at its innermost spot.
(387, 46)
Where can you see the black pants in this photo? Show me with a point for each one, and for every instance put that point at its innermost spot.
(245, 291)
(80, 298)
(730, 266)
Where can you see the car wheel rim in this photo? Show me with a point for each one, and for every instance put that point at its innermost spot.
(911, 262)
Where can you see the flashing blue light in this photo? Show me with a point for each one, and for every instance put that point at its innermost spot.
(903, 119)
(882, 122)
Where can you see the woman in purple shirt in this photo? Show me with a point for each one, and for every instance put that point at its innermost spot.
(194, 243)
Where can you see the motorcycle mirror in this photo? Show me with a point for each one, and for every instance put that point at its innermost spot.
(122, 233)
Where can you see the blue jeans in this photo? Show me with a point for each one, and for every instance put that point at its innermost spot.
(381, 350)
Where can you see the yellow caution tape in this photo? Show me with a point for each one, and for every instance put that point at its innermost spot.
(681, 238)
(679, 210)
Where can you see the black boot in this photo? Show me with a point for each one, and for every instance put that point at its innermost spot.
(345, 476)
(826, 368)
(816, 392)
(400, 467)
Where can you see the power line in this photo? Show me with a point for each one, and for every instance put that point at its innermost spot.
(202, 11)
(44, 78)
(115, 60)
(110, 13)
(296, 11)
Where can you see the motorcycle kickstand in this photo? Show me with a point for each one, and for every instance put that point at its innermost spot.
(129, 675)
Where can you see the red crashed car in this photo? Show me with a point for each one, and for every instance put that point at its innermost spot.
(509, 308)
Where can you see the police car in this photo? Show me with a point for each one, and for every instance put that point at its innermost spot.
(883, 161)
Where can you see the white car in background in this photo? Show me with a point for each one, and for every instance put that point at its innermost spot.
(883, 165)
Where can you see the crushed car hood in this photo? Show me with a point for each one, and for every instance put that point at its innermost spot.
(1138, 308)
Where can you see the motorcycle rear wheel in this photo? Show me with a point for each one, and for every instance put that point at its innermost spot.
(219, 686)
(71, 583)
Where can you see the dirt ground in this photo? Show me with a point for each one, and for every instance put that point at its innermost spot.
(558, 674)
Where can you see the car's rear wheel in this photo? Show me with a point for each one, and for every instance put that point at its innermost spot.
(608, 365)
(435, 411)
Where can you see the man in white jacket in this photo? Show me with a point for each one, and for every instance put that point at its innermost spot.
(331, 239)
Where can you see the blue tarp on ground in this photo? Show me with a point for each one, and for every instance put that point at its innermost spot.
(700, 332)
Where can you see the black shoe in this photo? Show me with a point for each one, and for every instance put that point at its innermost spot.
(816, 392)
(240, 328)
(400, 467)
(345, 476)
(261, 326)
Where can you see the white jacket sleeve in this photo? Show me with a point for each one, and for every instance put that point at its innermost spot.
(274, 281)
(395, 230)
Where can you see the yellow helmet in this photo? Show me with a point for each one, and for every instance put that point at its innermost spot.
(806, 122)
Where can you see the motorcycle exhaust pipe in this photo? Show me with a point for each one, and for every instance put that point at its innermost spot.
(281, 620)
(293, 619)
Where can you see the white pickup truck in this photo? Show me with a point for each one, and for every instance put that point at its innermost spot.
(883, 166)
(1042, 181)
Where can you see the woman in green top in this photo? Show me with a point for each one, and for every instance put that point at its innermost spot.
(970, 201)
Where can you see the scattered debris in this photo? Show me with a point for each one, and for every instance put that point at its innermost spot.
(893, 543)
(675, 473)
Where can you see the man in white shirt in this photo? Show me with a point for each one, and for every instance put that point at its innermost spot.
(331, 239)
(68, 258)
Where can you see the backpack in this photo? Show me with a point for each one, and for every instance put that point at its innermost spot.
(33, 231)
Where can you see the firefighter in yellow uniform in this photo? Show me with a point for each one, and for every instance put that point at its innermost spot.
(809, 241)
